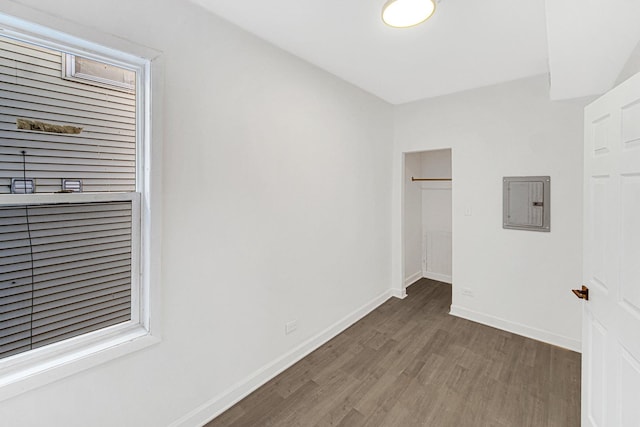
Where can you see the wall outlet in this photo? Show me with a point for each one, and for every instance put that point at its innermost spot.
(468, 211)
(467, 292)
(290, 327)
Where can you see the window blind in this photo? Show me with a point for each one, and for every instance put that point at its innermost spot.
(65, 270)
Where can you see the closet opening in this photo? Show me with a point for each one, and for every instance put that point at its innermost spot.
(427, 216)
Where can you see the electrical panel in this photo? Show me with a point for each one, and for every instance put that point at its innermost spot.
(527, 203)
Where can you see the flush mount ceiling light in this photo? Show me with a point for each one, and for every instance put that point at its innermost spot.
(407, 13)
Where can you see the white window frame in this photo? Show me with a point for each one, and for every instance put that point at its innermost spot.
(35, 368)
(70, 73)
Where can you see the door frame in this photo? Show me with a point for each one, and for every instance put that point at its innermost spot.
(399, 289)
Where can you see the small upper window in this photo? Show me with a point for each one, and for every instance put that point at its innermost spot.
(77, 67)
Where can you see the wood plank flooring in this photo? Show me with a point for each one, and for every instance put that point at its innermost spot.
(409, 363)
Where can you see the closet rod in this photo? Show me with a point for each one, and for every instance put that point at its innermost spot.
(430, 179)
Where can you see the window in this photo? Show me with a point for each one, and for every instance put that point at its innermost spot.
(81, 68)
(74, 184)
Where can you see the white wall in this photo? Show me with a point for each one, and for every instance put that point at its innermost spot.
(436, 164)
(589, 43)
(412, 219)
(520, 280)
(289, 218)
(436, 215)
(631, 67)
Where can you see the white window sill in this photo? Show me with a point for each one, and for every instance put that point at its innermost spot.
(45, 198)
(36, 368)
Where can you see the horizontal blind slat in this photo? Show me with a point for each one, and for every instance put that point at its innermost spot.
(12, 314)
(82, 306)
(67, 269)
(19, 250)
(94, 323)
(78, 314)
(17, 234)
(15, 300)
(37, 219)
(13, 290)
(92, 326)
(70, 258)
(15, 320)
(68, 274)
(19, 239)
(107, 272)
(18, 347)
(70, 208)
(15, 306)
(80, 293)
(10, 343)
(79, 279)
(115, 231)
(8, 330)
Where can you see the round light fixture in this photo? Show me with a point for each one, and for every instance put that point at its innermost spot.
(407, 13)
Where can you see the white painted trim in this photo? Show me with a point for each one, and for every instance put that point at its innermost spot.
(517, 328)
(408, 281)
(399, 293)
(438, 276)
(220, 403)
(73, 356)
(46, 198)
(39, 367)
(35, 26)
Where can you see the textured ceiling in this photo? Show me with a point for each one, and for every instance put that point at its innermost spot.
(583, 44)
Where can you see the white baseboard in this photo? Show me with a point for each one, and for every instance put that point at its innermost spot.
(437, 276)
(216, 406)
(398, 293)
(517, 328)
(412, 279)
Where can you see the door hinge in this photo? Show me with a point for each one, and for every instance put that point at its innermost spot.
(582, 293)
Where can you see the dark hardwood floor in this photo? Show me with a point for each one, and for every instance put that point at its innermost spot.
(409, 363)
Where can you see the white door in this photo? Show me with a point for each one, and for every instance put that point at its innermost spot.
(611, 316)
